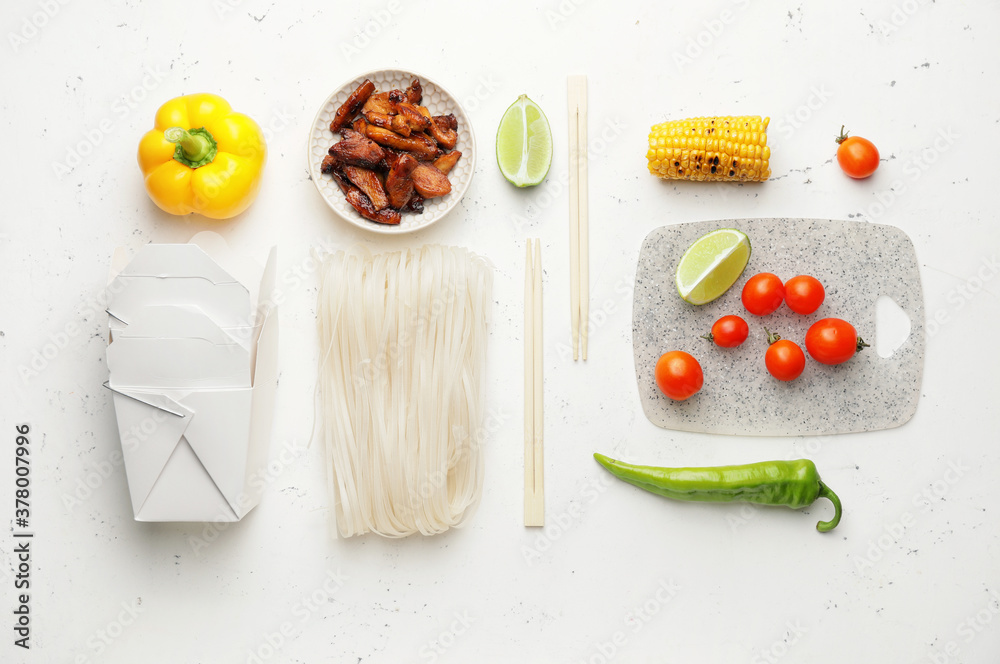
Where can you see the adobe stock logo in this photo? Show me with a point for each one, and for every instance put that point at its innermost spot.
(120, 109)
(33, 24)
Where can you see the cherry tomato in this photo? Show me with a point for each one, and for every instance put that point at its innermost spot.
(728, 332)
(678, 375)
(763, 294)
(858, 157)
(804, 294)
(784, 359)
(833, 341)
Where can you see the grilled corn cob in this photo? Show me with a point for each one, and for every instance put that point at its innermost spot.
(717, 149)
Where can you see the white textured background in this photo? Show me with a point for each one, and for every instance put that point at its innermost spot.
(618, 575)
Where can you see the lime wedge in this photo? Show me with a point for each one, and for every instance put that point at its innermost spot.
(712, 264)
(524, 143)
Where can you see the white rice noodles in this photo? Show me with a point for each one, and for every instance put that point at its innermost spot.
(401, 387)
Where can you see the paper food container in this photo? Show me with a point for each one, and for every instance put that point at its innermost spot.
(192, 358)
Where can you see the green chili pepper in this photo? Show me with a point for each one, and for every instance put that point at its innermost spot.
(794, 484)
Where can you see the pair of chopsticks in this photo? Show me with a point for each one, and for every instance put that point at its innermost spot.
(579, 242)
(534, 421)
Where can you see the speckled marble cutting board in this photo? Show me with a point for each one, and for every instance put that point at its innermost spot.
(856, 261)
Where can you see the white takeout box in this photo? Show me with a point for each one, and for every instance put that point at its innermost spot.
(193, 366)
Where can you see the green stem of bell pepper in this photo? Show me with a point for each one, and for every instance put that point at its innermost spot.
(195, 147)
(794, 484)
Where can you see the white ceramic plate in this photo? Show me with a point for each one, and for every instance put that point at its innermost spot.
(439, 102)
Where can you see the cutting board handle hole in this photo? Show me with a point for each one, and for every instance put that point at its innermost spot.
(892, 326)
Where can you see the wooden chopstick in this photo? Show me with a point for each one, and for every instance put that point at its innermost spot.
(579, 242)
(539, 464)
(534, 420)
(529, 385)
(574, 219)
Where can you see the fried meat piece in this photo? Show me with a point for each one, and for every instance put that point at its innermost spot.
(338, 176)
(383, 102)
(378, 103)
(357, 150)
(415, 92)
(398, 183)
(446, 162)
(378, 119)
(350, 107)
(430, 182)
(390, 158)
(420, 145)
(400, 125)
(451, 119)
(367, 181)
(442, 132)
(415, 204)
(329, 162)
(364, 206)
(413, 117)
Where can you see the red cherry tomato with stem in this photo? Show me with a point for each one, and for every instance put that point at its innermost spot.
(784, 359)
(678, 375)
(858, 157)
(804, 294)
(833, 341)
(728, 332)
(763, 293)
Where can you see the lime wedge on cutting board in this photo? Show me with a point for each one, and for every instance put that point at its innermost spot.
(712, 264)
(524, 143)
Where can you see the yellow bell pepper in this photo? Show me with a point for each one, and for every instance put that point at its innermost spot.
(202, 157)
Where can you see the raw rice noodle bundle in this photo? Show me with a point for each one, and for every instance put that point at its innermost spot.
(401, 386)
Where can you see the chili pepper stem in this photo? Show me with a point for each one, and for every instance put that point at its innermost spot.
(827, 492)
(195, 147)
